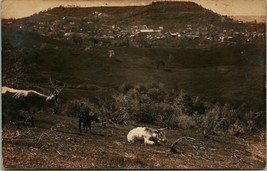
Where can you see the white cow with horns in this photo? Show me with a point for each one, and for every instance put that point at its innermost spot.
(14, 101)
(147, 135)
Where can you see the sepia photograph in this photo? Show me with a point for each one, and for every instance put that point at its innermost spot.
(133, 84)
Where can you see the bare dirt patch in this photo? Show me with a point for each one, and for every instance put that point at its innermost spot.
(55, 143)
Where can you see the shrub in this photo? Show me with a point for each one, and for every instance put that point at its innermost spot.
(150, 104)
(77, 106)
(186, 122)
(164, 114)
(125, 87)
(122, 105)
(183, 103)
(156, 95)
(209, 121)
(155, 113)
(223, 119)
(198, 106)
(144, 114)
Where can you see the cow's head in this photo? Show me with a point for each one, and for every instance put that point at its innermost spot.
(160, 135)
(52, 101)
(95, 118)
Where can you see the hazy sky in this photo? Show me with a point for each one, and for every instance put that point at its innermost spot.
(23, 8)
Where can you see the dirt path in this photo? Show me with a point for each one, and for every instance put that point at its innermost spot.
(56, 144)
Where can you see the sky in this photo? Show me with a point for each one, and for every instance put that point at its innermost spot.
(24, 8)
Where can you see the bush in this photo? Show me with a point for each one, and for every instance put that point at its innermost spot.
(183, 103)
(77, 106)
(198, 106)
(186, 122)
(164, 113)
(122, 106)
(223, 120)
(144, 114)
(150, 104)
(218, 119)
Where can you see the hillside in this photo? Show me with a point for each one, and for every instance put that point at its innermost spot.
(178, 44)
(167, 64)
(237, 71)
(166, 14)
(179, 23)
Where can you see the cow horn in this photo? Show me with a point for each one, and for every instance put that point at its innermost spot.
(162, 129)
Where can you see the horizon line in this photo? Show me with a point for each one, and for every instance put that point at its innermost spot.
(105, 4)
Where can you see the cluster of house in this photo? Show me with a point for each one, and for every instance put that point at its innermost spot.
(89, 31)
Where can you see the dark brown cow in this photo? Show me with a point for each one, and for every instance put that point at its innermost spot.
(87, 121)
(14, 101)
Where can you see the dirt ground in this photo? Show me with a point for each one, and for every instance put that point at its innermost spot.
(55, 143)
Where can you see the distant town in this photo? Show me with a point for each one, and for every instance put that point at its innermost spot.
(96, 29)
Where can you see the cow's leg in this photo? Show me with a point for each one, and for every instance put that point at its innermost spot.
(84, 127)
(89, 124)
(31, 119)
(80, 125)
(9, 117)
(147, 141)
(31, 111)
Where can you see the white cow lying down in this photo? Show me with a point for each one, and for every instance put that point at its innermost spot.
(147, 135)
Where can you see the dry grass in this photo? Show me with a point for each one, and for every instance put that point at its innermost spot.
(57, 144)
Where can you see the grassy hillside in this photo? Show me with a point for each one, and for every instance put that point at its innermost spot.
(232, 74)
(157, 13)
